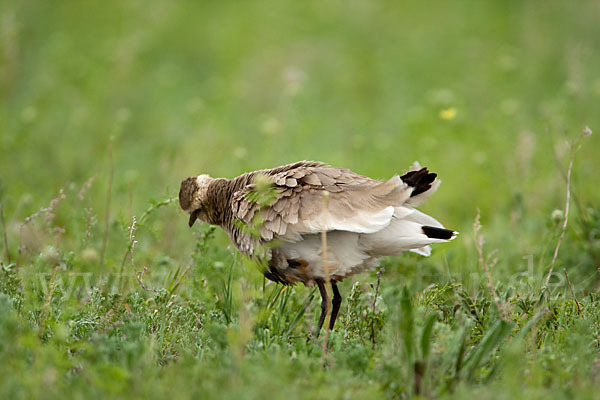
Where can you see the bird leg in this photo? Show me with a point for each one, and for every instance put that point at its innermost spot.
(324, 304)
(336, 302)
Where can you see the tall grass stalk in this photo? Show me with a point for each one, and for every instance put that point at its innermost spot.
(486, 263)
(574, 147)
(108, 200)
(4, 235)
(327, 279)
(130, 245)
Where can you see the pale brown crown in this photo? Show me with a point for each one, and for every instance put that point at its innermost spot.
(193, 195)
(188, 188)
(193, 192)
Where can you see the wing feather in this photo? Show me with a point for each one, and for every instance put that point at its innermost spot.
(355, 203)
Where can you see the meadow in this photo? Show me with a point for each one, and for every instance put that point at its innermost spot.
(106, 106)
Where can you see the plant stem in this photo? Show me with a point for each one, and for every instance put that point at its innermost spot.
(108, 198)
(7, 252)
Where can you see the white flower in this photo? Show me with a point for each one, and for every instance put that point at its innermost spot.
(557, 215)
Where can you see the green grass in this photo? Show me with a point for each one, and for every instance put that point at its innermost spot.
(159, 91)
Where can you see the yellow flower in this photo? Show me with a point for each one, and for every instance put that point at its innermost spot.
(448, 113)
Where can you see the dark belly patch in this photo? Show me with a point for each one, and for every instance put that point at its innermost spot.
(297, 263)
(277, 273)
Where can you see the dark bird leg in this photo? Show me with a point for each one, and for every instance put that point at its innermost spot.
(324, 304)
(336, 302)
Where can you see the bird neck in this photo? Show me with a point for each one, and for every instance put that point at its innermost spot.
(218, 200)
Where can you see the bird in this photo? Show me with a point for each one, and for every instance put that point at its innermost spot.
(364, 219)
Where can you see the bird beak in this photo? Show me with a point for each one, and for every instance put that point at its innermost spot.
(193, 218)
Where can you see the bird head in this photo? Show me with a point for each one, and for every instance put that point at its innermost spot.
(193, 195)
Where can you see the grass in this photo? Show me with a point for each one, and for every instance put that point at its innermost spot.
(105, 107)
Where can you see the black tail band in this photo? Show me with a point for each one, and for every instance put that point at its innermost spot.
(437, 233)
(421, 180)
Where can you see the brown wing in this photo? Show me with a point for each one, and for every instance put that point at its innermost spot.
(353, 202)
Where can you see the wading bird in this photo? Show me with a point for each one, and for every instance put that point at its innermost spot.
(364, 219)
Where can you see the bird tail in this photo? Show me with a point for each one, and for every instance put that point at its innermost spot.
(423, 182)
(410, 230)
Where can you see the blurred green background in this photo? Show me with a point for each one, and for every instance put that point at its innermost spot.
(485, 93)
(226, 87)
(481, 92)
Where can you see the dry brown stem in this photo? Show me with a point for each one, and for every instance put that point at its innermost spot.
(381, 271)
(49, 214)
(579, 311)
(486, 262)
(326, 272)
(129, 251)
(84, 188)
(6, 250)
(140, 278)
